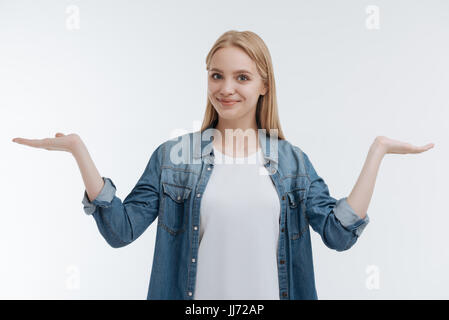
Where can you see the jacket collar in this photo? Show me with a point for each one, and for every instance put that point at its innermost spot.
(206, 151)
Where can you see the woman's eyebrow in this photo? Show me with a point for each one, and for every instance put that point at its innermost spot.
(237, 71)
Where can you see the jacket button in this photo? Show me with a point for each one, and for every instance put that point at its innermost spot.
(193, 260)
(179, 197)
(190, 293)
(284, 294)
(282, 261)
(208, 168)
(283, 197)
(282, 230)
(195, 228)
(198, 195)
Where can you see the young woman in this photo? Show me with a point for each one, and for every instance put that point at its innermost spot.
(227, 229)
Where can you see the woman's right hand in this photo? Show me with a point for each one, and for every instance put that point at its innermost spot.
(72, 143)
(61, 142)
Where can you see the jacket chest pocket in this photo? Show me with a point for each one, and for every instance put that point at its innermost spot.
(297, 221)
(174, 207)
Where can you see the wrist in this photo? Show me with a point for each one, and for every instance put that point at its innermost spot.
(378, 146)
(77, 146)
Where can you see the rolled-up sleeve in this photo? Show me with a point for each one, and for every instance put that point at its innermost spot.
(104, 199)
(336, 222)
(122, 222)
(348, 218)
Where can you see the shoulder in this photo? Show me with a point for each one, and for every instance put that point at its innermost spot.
(288, 149)
(178, 146)
(294, 148)
(293, 155)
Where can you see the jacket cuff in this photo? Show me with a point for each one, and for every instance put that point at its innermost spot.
(104, 199)
(348, 218)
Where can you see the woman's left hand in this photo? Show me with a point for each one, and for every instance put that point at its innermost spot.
(394, 146)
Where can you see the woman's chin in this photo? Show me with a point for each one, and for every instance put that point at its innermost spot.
(229, 114)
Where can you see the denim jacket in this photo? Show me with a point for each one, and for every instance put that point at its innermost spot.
(172, 191)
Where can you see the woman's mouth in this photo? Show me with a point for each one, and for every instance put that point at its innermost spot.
(228, 102)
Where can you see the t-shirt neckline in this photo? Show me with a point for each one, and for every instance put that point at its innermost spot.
(251, 156)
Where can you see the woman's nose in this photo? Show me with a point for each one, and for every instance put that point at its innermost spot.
(227, 89)
(228, 86)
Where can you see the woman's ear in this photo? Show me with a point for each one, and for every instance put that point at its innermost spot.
(264, 90)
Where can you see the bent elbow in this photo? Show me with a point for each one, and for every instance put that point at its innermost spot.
(349, 244)
(115, 243)
(342, 242)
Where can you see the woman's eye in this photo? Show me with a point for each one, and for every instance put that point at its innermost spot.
(242, 75)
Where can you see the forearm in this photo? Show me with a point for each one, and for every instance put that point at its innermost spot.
(91, 177)
(362, 192)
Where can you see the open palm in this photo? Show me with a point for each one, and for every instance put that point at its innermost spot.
(61, 142)
(400, 147)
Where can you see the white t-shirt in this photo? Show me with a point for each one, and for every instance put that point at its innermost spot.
(239, 232)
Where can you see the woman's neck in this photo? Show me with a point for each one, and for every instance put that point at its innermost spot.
(236, 142)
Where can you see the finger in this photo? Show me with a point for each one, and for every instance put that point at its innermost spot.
(424, 148)
(37, 143)
(20, 140)
(59, 134)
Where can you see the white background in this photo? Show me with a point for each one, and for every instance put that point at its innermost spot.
(135, 71)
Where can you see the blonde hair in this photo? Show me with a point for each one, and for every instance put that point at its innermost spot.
(267, 109)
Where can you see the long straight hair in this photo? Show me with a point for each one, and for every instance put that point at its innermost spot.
(267, 108)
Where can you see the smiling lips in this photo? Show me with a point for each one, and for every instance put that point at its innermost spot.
(227, 102)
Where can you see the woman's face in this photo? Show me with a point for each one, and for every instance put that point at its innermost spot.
(233, 76)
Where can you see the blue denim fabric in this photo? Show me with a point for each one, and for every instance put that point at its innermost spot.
(172, 192)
